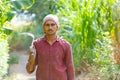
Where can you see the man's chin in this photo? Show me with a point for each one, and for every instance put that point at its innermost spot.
(51, 34)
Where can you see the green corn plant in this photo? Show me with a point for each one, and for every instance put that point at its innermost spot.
(83, 23)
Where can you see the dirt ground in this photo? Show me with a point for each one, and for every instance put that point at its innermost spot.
(18, 70)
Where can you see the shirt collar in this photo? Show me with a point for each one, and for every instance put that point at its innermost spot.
(44, 38)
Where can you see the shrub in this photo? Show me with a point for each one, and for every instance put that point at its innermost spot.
(14, 58)
(3, 55)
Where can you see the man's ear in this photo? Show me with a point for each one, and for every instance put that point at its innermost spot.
(57, 27)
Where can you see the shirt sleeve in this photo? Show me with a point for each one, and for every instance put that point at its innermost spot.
(35, 46)
(69, 63)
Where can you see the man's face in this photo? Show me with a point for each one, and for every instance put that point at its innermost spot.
(50, 27)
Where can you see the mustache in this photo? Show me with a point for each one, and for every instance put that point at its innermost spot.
(50, 30)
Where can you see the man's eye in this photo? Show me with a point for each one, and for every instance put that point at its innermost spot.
(47, 25)
(52, 24)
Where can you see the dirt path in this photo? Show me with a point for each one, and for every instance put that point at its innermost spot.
(18, 70)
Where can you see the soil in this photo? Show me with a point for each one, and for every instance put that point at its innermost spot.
(19, 69)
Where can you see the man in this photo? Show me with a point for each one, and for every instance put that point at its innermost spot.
(53, 54)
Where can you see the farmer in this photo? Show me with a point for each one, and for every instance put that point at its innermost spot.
(53, 58)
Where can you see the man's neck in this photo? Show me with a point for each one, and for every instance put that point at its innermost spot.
(51, 39)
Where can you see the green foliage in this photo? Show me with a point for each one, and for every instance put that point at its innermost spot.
(87, 25)
(22, 22)
(84, 23)
(5, 7)
(116, 17)
(104, 57)
(22, 4)
(19, 42)
(42, 8)
(3, 54)
(14, 58)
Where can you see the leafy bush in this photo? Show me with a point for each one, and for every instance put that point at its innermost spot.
(104, 64)
(3, 54)
(18, 41)
(5, 7)
(14, 58)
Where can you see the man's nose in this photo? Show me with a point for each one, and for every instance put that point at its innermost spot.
(50, 26)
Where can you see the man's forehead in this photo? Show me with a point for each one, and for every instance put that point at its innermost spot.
(49, 21)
